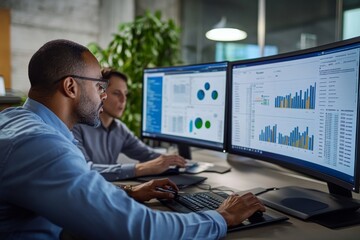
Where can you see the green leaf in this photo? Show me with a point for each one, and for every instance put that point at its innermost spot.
(148, 41)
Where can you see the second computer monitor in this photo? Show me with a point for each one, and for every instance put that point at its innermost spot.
(186, 104)
(300, 110)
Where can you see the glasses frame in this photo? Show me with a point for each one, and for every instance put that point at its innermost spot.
(103, 88)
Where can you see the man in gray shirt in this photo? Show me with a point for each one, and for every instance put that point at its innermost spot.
(102, 145)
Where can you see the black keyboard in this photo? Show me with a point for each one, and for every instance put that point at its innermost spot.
(202, 201)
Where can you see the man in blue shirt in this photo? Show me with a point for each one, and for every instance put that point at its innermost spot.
(102, 145)
(45, 183)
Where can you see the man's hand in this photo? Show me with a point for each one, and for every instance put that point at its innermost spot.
(146, 191)
(236, 209)
(159, 165)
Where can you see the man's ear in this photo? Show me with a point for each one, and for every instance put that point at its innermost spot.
(70, 87)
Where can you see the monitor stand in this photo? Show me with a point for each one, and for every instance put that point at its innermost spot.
(197, 167)
(184, 151)
(334, 210)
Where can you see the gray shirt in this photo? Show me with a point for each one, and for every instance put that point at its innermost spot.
(101, 147)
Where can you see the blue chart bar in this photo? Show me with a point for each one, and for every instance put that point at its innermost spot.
(269, 135)
(297, 139)
(299, 101)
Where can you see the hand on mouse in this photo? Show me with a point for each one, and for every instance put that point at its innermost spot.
(146, 191)
(235, 209)
(159, 165)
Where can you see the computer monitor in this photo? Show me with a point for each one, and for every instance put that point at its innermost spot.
(186, 105)
(300, 110)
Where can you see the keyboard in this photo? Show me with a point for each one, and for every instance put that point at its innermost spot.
(202, 201)
(198, 201)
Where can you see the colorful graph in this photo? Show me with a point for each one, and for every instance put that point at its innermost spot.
(300, 100)
(294, 139)
(297, 139)
(201, 93)
(198, 123)
(269, 135)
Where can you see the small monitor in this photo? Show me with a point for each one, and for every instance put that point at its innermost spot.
(186, 104)
(301, 110)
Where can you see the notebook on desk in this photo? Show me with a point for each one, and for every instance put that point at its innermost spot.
(202, 201)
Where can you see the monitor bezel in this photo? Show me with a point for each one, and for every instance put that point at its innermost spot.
(299, 168)
(191, 142)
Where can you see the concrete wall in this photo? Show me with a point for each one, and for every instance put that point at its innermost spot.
(112, 13)
(35, 22)
(170, 9)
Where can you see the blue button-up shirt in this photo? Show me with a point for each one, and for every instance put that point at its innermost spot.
(46, 185)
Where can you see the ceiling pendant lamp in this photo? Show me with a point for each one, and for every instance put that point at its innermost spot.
(223, 32)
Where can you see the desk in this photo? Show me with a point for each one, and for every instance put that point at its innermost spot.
(246, 174)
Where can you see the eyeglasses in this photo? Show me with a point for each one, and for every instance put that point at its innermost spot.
(102, 82)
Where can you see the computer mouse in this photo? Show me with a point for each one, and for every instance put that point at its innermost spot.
(256, 217)
(171, 171)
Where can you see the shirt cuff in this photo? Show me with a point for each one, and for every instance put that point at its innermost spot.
(128, 170)
(220, 220)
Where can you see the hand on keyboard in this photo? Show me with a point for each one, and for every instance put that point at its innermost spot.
(235, 209)
(159, 165)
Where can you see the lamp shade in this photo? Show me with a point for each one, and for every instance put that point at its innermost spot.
(222, 32)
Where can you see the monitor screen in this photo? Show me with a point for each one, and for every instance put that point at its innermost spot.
(300, 110)
(186, 104)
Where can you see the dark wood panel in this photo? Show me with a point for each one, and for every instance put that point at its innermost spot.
(5, 52)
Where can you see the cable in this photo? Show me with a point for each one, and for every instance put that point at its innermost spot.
(208, 187)
(211, 189)
(266, 190)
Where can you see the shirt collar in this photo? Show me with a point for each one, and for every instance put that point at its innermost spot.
(48, 117)
(111, 126)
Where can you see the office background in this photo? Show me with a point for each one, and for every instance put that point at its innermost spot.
(287, 26)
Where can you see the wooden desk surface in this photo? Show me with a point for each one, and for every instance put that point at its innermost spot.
(246, 174)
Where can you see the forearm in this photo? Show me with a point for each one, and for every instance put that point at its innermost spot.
(124, 171)
(141, 169)
(201, 225)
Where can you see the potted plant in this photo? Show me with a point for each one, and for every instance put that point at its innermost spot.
(148, 41)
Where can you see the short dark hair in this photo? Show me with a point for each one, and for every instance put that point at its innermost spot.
(107, 73)
(55, 59)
